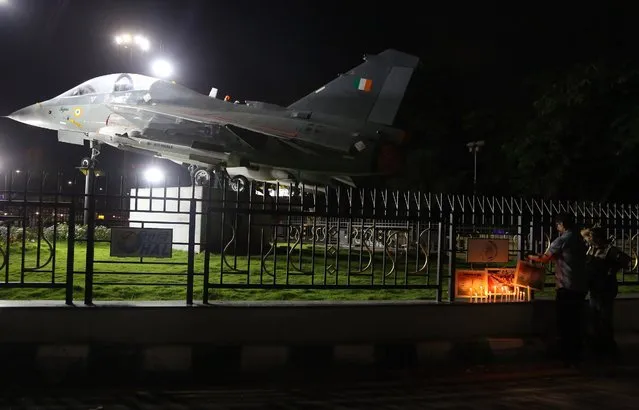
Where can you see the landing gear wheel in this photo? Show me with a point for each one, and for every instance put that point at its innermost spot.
(87, 163)
(296, 190)
(91, 162)
(201, 177)
(239, 183)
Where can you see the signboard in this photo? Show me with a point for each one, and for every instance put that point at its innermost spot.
(141, 242)
(500, 280)
(484, 250)
(530, 275)
(469, 283)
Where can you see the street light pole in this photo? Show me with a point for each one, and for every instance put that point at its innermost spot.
(475, 172)
(133, 44)
(473, 147)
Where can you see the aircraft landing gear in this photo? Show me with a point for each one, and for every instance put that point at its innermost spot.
(296, 191)
(91, 162)
(199, 176)
(202, 177)
(88, 168)
(239, 183)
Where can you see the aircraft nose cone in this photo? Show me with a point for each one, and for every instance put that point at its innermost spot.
(31, 115)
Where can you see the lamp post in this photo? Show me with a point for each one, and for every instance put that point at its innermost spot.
(473, 147)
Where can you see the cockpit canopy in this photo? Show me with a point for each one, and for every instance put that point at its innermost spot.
(111, 83)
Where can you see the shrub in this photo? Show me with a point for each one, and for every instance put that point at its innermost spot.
(16, 234)
(102, 233)
(62, 232)
(80, 232)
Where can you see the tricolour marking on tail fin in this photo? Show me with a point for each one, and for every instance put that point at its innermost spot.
(371, 91)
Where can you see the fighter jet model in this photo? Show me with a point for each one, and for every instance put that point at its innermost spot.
(337, 132)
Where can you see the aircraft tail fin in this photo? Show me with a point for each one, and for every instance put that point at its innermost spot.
(372, 91)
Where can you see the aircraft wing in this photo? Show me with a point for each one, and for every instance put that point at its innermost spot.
(241, 124)
(249, 121)
(245, 126)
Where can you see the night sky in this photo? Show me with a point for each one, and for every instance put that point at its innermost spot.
(278, 51)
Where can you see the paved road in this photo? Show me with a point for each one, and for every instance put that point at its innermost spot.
(540, 389)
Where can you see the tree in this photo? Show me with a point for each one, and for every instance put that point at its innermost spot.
(583, 137)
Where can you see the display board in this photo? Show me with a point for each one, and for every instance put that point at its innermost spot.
(528, 274)
(500, 280)
(484, 250)
(468, 283)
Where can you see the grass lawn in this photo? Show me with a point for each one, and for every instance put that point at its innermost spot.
(165, 279)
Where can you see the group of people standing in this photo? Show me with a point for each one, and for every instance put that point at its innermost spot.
(586, 264)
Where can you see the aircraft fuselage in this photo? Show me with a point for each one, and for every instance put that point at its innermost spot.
(340, 130)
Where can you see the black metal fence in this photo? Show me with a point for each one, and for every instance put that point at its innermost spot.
(268, 242)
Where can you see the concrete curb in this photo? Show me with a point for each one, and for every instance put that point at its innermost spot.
(55, 364)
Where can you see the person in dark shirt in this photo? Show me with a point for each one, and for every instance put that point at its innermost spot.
(568, 252)
(603, 262)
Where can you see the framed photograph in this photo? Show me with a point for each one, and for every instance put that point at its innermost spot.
(500, 280)
(469, 282)
(485, 250)
(530, 275)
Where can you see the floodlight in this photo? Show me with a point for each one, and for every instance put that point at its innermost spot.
(143, 43)
(162, 68)
(154, 175)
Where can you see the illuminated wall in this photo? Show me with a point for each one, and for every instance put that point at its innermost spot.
(167, 208)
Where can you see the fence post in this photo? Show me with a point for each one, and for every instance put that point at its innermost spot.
(70, 254)
(452, 257)
(206, 221)
(89, 217)
(522, 233)
(440, 246)
(527, 231)
(191, 257)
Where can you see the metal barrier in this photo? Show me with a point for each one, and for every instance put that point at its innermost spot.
(55, 236)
